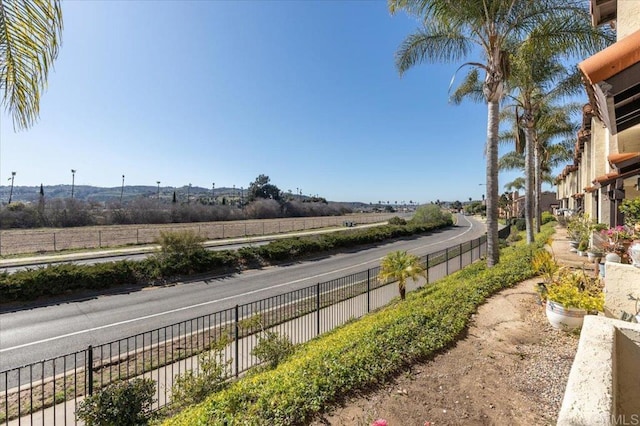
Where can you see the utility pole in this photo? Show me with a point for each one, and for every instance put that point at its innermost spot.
(122, 191)
(213, 196)
(13, 176)
(73, 181)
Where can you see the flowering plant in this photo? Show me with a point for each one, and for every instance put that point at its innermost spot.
(618, 233)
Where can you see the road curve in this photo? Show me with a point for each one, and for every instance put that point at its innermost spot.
(38, 333)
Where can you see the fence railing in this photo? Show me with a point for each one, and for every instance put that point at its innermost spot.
(46, 240)
(48, 391)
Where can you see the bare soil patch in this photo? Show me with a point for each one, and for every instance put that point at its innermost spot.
(510, 369)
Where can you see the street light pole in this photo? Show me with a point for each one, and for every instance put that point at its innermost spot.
(122, 191)
(13, 175)
(73, 181)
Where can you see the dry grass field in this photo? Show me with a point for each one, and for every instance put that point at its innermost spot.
(46, 240)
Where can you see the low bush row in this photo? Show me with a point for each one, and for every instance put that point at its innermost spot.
(363, 353)
(182, 255)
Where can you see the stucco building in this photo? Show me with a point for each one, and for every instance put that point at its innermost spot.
(606, 166)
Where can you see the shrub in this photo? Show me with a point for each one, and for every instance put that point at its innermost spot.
(521, 224)
(120, 404)
(430, 214)
(212, 376)
(546, 217)
(397, 221)
(272, 348)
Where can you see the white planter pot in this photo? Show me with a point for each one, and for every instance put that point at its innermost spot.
(564, 318)
(593, 257)
(634, 254)
(612, 257)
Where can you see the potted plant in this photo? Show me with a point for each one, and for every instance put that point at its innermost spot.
(546, 267)
(582, 247)
(570, 296)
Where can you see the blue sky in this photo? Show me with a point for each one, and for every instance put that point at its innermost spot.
(199, 92)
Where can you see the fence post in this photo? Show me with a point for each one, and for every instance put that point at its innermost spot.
(137, 236)
(460, 254)
(54, 241)
(446, 256)
(237, 340)
(318, 309)
(99, 239)
(368, 290)
(90, 368)
(428, 267)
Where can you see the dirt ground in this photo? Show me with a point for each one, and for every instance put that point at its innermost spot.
(510, 369)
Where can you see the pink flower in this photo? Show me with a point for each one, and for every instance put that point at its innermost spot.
(380, 422)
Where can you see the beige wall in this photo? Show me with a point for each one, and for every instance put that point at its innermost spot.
(628, 20)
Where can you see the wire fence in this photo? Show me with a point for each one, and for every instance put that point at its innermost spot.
(92, 237)
(47, 392)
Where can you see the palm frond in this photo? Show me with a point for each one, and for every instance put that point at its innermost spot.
(511, 161)
(470, 88)
(516, 184)
(432, 43)
(30, 36)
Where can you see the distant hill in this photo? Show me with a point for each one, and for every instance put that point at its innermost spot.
(99, 194)
(104, 195)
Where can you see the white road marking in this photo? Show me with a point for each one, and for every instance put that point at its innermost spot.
(184, 308)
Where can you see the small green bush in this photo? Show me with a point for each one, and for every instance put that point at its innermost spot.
(213, 375)
(120, 404)
(521, 224)
(547, 217)
(397, 221)
(272, 348)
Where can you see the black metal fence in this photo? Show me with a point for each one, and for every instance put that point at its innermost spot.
(46, 392)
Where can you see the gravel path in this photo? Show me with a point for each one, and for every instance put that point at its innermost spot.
(510, 369)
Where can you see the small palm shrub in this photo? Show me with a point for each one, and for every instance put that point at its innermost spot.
(401, 266)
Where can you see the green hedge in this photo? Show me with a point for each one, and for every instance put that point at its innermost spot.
(365, 352)
(68, 278)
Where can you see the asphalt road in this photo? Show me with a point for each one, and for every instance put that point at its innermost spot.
(34, 334)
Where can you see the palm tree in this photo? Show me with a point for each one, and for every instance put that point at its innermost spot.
(551, 123)
(401, 266)
(450, 31)
(30, 35)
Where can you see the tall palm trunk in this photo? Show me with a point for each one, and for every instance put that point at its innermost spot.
(529, 181)
(493, 121)
(538, 187)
